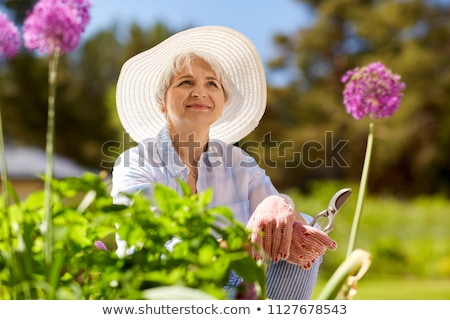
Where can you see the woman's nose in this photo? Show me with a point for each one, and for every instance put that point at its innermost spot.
(198, 91)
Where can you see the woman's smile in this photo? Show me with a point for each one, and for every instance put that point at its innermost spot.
(198, 106)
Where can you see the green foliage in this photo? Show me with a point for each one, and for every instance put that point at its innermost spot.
(83, 213)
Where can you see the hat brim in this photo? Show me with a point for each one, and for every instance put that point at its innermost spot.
(136, 103)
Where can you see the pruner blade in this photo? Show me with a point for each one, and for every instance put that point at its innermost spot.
(336, 203)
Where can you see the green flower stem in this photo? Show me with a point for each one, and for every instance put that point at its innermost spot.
(53, 68)
(5, 194)
(5, 197)
(362, 190)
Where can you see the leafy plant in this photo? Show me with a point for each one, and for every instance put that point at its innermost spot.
(83, 213)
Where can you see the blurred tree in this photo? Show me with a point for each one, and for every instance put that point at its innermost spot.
(139, 40)
(93, 81)
(86, 119)
(409, 37)
(80, 113)
(306, 134)
(17, 8)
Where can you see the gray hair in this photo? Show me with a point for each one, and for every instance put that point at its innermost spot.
(183, 60)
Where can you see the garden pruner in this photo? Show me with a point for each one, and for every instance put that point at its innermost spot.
(329, 213)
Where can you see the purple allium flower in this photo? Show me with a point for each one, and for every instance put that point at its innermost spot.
(372, 91)
(9, 38)
(100, 245)
(55, 23)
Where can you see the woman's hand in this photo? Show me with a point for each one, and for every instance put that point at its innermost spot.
(308, 243)
(271, 227)
(278, 232)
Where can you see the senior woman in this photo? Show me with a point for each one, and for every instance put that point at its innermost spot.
(186, 102)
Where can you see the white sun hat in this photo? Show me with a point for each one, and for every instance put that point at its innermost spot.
(139, 110)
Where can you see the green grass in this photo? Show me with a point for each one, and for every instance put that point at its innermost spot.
(398, 289)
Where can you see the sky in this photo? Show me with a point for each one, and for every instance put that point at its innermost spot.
(259, 20)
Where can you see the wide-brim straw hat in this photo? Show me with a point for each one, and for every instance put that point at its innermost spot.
(139, 110)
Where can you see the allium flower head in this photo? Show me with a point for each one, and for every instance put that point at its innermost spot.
(372, 91)
(55, 23)
(9, 38)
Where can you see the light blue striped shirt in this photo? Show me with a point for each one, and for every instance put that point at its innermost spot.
(238, 183)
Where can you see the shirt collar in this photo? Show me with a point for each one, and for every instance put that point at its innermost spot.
(169, 156)
(171, 159)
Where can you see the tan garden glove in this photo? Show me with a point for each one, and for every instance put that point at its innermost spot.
(278, 232)
(271, 227)
(308, 243)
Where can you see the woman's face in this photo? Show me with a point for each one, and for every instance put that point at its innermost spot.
(194, 100)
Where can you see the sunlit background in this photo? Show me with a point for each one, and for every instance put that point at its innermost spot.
(306, 47)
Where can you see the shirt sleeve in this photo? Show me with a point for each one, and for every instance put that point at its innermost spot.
(130, 175)
(259, 184)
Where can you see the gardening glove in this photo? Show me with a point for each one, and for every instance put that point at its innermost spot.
(271, 227)
(308, 243)
(297, 216)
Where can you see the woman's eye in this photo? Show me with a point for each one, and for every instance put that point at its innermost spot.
(185, 83)
(213, 84)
